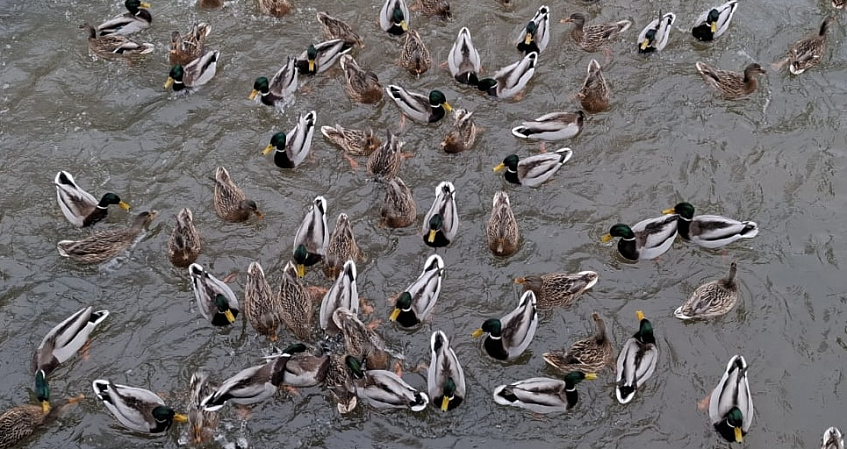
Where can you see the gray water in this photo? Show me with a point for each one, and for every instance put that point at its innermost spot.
(775, 158)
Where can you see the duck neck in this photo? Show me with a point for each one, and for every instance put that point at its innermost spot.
(494, 347)
(571, 395)
(627, 248)
(683, 227)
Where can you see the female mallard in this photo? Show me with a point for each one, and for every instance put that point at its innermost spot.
(216, 301)
(360, 84)
(304, 369)
(711, 231)
(342, 294)
(385, 161)
(138, 18)
(335, 28)
(339, 382)
(341, 247)
(462, 136)
(105, 245)
(230, 202)
(384, 389)
(832, 438)
(66, 339)
(637, 360)
(542, 394)
(354, 142)
(417, 302)
(463, 60)
(552, 126)
(295, 304)
(261, 306)
(511, 80)
(280, 88)
(589, 355)
(713, 23)
(730, 405)
(439, 8)
(508, 337)
(114, 46)
(18, 423)
(398, 209)
(534, 170)
(197, 73)
(394, 17)
(276, 8)
(361, 341)
(594, 94)
(711, 299)
(808, 51)
(536, 35)
(312, 237)
(184, 243)
(290, 150)
(414, 56)
(78, 206)
(441, 222)
(426, 109)
(655, 35)
(648, 239)
(136, 408)
(318, 58)
(558, 289)
(185, 49)
(732, 85)
(591, 38)
(502, 229)
(202, 424)
(445, 377)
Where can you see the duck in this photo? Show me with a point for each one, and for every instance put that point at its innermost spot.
(280, 88)
(558, 289)
(534, 170)
(354, 142)
(636, 361)
(439, 8)
(730, 405)
(105, 245)
(136, 19)
(536, 35)
(416, 304)
(463, 59)
(216, 301)
(398, 208)
(20, 422)
(508, 337)
(589, 355)
(290, 150)
(360, 341)
(184, 243)
(136, 408)
(832, 438)
(647, 239)
(732, 85)
(542, 394)
(79, 206)
(462, 135)
(710, 231)
(202, 424)
(594, 94)
(552, 126)
(185, 49)
(312, 237)
(386, 160)
(654, 37)
(591, 38)
(418, 107)
(414, 56)
(445, 377)
(714, 22)
(343, 294)
(511, 80)
(320, 57)
(502, 228)
(197, 73)
(276, 8)
(339, 382)
(261, 306)
(838, 4)
(230, 202)
(361, 85)
(384, 389)
(441, 222)
(712, 299)
(808, 51)
(66, 339)
(394, 17)
(335, 28)
(295, 304)
(341, 247)
(114, 46)
(304, 369)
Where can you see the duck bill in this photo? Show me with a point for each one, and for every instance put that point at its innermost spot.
(146, 5)
(169, 83)
(180, 418)
(739, 437)
(124, 206)
(259, 214)
(606, 238)
(431, 237)
(267, 150)
(520, 281)
(45, 407)
(645, 44)
(499, 167)
(639, 314)
(477, 333)
(669, 211)
(229, 316)
(301, 270)
(394, 314)
(253, 94)
(527, 39)
(447, 107)
(590, 376)
(445, 403)
(714, 27)
(403, 25)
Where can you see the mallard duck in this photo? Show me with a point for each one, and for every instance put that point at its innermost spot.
(414, 56)
(339, 382)
(290, 150)
(398, 209)
(394, 17)
(558, 289)
(280, 88)
(832, 438)
(335, 28)
(594, 94)
(732, 85)
(230, 202)
(713, 23)
(66, 339)
(361, 85)
(417, 302)
(105, 245)
(202, 424)
(589, 355)
(508, 337)
(114, 46)
(591, 38)
(276, 8)
(731, 406)
(426, 109)
(184, 243)
(534, 170)
(463, 60)
(318, 58)
(355, 142)
(384, 389)
(636, 361)
(502, 229)
(78, 206)
(648, 239)
(312, 237)
(197, 73)
(511, 80)
(295, 304)
(462, 136)
(342, 294)
(304, 369)
(341, 247)
(359, 340)
(711, 299)
(439, 8)
(136, 408)
(441, 222)
(655, 35)
(711, 231)
(542, 394)
(552, 126)
(445, 377)
(216, 301)
(385, 161)
(188, 48)
(536, 35)
(20, 422)
(261, 306)
(808, 51)
(138, 18)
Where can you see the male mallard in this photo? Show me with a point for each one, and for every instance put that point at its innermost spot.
(711, 299)
(335, 28)
(384, 389)
(276, 8)
(558, 289)
(832, 438)
(137, 19)
(414, 56)
(261, 306)
(394, 17)
(105, 245)
(591, 38)
(290, 150)
(280, 88)
(216, 301)
(536, 35)
(312, 237)
(417, 302)
(318, 58)
(426, 109)
(185, 49)
(711, 231)
(655, 35)
(445, 377)
(136, 408)
(202, 423)
(114, 46)
(439, 8)
(342, 294)
(808, 51)
(341, 247)
(542, 394)
(502, 229)
(398, 209)
(534, 170)
(295, 304)
(359, 340)
(732, 85)
(636, 361)
(552, 126)
(184, 242)
(197, 73)
(594, 94)
(462, 135)
(66, 339)
(648, 239)
(713, 23)
(355, 142)
(360, 84)
(463, 59)
(730, 405)
(20, 422)
(511, 80)
(78, 206)
(441, 222)
(508, 337)
(230, 202)
(385, 161)
(589, 355)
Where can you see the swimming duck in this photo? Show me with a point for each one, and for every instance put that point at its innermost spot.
(732, 85)
(341, 247)
(426, 109)
(312, 237)
(711, 231)
(502, 229)
(441, 222)
(355, 142)
(276, 8)
(414, 56)
(463, 59)
(534, 170)
(439, 8)
(730, 405)
(711, 299)
(832, 438)
(114, 46)
(417, 302)
(445, 377)
(318, 58)
(398, 209)
(216, 301)
(636, 361)
(184, 243)
(295, 304)
(385, 161)
(713, 23)
(304, 369)
(508, 337)
(511, 80)
(808, 51)
(342, 294)
(359, 340)
(105, 245)
(594, 94)
(542, 394)
(655, 35)
(335, 28)
(394, 17)
(197, 73)
(360, 84)
(339, 382)
(66, 339)
(230, 202)
(202, 423)
(135, 408)
(290, 150)
(536, 35)
(589, 355)
(185, 49)
(280, 88)
(261, 306)
(558, 289)
(552, 126)
(20, 422)
(138, 18)
(591, 38)
(462, 135)
(79, 206)
(384, 389)
(648, 239)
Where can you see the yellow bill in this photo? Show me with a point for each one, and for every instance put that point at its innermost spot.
(645, 43)
(431, 237)
(259, 214)
(527, 39)
(169, 83)
(394, 314)
(268, 150)
(739, 437)
(477, 333)
(229, 316)
(311, 65)
(500, 167)
(669, 211)
(253, 94)
(145, 5)
(124, 206)
(447, 107)
(301, 270)
(445, 402)
(639, 314)
(606, 238)
(179, 417)
(45, 407)
(403, 25)
(590, 376)
(714, 27)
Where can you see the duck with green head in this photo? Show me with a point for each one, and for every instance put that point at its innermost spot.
(510, 81)
(384, 389)
(536, 35)
(137, 409)
(394, 17)
(445, 377)
(441, 222)
(280, 88)
(731, 405)
(417, 302)
(22, 421)
(320, 57)
(710, 231)
(79, 206)
(197, 73)
(533, 170)
(714, 22)
(290, 150)
(636, 361)
(422, 108)
(647, 239)
(542, 394)
(312, 237)
(216, 301)
(136, 19)
(509, 336)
